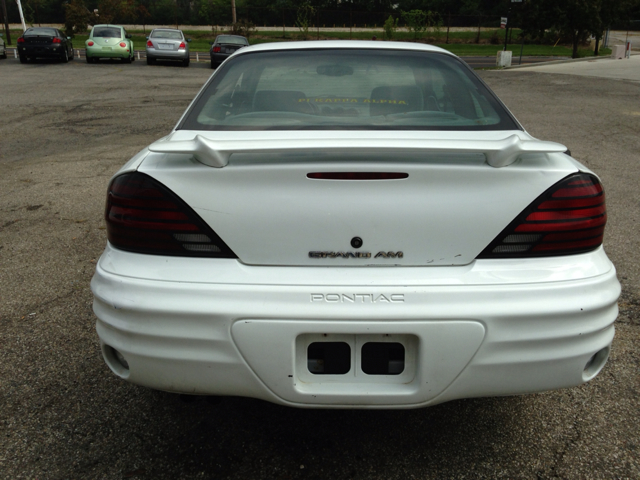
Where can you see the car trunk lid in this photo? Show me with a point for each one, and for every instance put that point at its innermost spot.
(229, 48)
(106, 41)
(444, 209)
(38, 39)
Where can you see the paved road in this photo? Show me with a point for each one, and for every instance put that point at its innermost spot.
(66, 128)
(603, 67)
(475, 62)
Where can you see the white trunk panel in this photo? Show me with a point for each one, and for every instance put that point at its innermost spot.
(445, 213)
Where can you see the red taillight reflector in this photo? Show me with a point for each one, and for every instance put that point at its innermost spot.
(90, 43)
(562, 226)
(56, 40)
(149, 43)
(182, 45)
(568, 218)
(122, 44)
(143, 216)
(357, 175)
(572, 214)
(20, 40)
(216, 49)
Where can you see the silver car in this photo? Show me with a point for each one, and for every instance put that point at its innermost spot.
(167, 44)
(3, 48)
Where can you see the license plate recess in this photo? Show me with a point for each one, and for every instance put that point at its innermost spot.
(359, 358)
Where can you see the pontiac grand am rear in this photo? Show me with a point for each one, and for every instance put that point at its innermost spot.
(354, 224)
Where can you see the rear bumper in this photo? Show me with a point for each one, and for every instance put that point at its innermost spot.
(167, 54)
(224, 328)
(218, 58)
(41, 51)
(115, 52)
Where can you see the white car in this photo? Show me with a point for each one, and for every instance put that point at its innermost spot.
(353, 224)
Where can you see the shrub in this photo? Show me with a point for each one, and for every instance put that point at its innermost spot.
(390, 27)
(244, 28)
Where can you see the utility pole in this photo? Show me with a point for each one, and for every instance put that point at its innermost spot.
(6, 21)
(233, 12)
(506, 27)
(24, 27)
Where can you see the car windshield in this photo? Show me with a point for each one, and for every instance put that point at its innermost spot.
(41, 31)
(231, 40)
(107, 32)
(166, 34)
(336, 89)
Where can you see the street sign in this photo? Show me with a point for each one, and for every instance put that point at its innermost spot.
(503, 22)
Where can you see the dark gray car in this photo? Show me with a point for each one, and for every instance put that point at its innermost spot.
(167, 44)
(225, 45)
(44, 42)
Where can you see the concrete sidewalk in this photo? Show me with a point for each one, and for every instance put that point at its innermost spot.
(604, 67)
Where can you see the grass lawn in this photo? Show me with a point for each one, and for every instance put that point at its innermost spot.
(460, 43)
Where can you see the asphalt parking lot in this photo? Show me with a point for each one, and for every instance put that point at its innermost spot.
(65, 129)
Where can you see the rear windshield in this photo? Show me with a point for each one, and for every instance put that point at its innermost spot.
(41, 31)
(108, 32)
(231, 40)
(346, 89)
(168, 34)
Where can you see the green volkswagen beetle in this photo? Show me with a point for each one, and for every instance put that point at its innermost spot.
(109, 41)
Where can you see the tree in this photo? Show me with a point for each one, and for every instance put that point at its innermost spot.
(143, 15)
(213, 12)
(390, 27)
(76, 18)
(419, 21)
(116, 11)
(416, 21)
(305, 14)
(572, 20)
(610, 12)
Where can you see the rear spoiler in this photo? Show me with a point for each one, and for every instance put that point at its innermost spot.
(216, 153)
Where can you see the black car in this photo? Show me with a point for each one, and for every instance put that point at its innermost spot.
(44, 42)
(225, 45)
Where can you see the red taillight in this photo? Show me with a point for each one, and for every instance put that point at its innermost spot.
(20, 40)
(149, 43)
(90, 43)
(122, 44)
(144, 216)
(56, 40)
(182, 45)
(357, 175)
(216, 49)
(567, 219)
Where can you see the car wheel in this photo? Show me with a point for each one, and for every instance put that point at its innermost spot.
(213, 65)
(4, 55)
(89, 59)
(126, 60)
(185, 63)
(23, 59)
(65, 56)
(151, 61)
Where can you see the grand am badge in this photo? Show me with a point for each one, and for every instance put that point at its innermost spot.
(317, 254)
